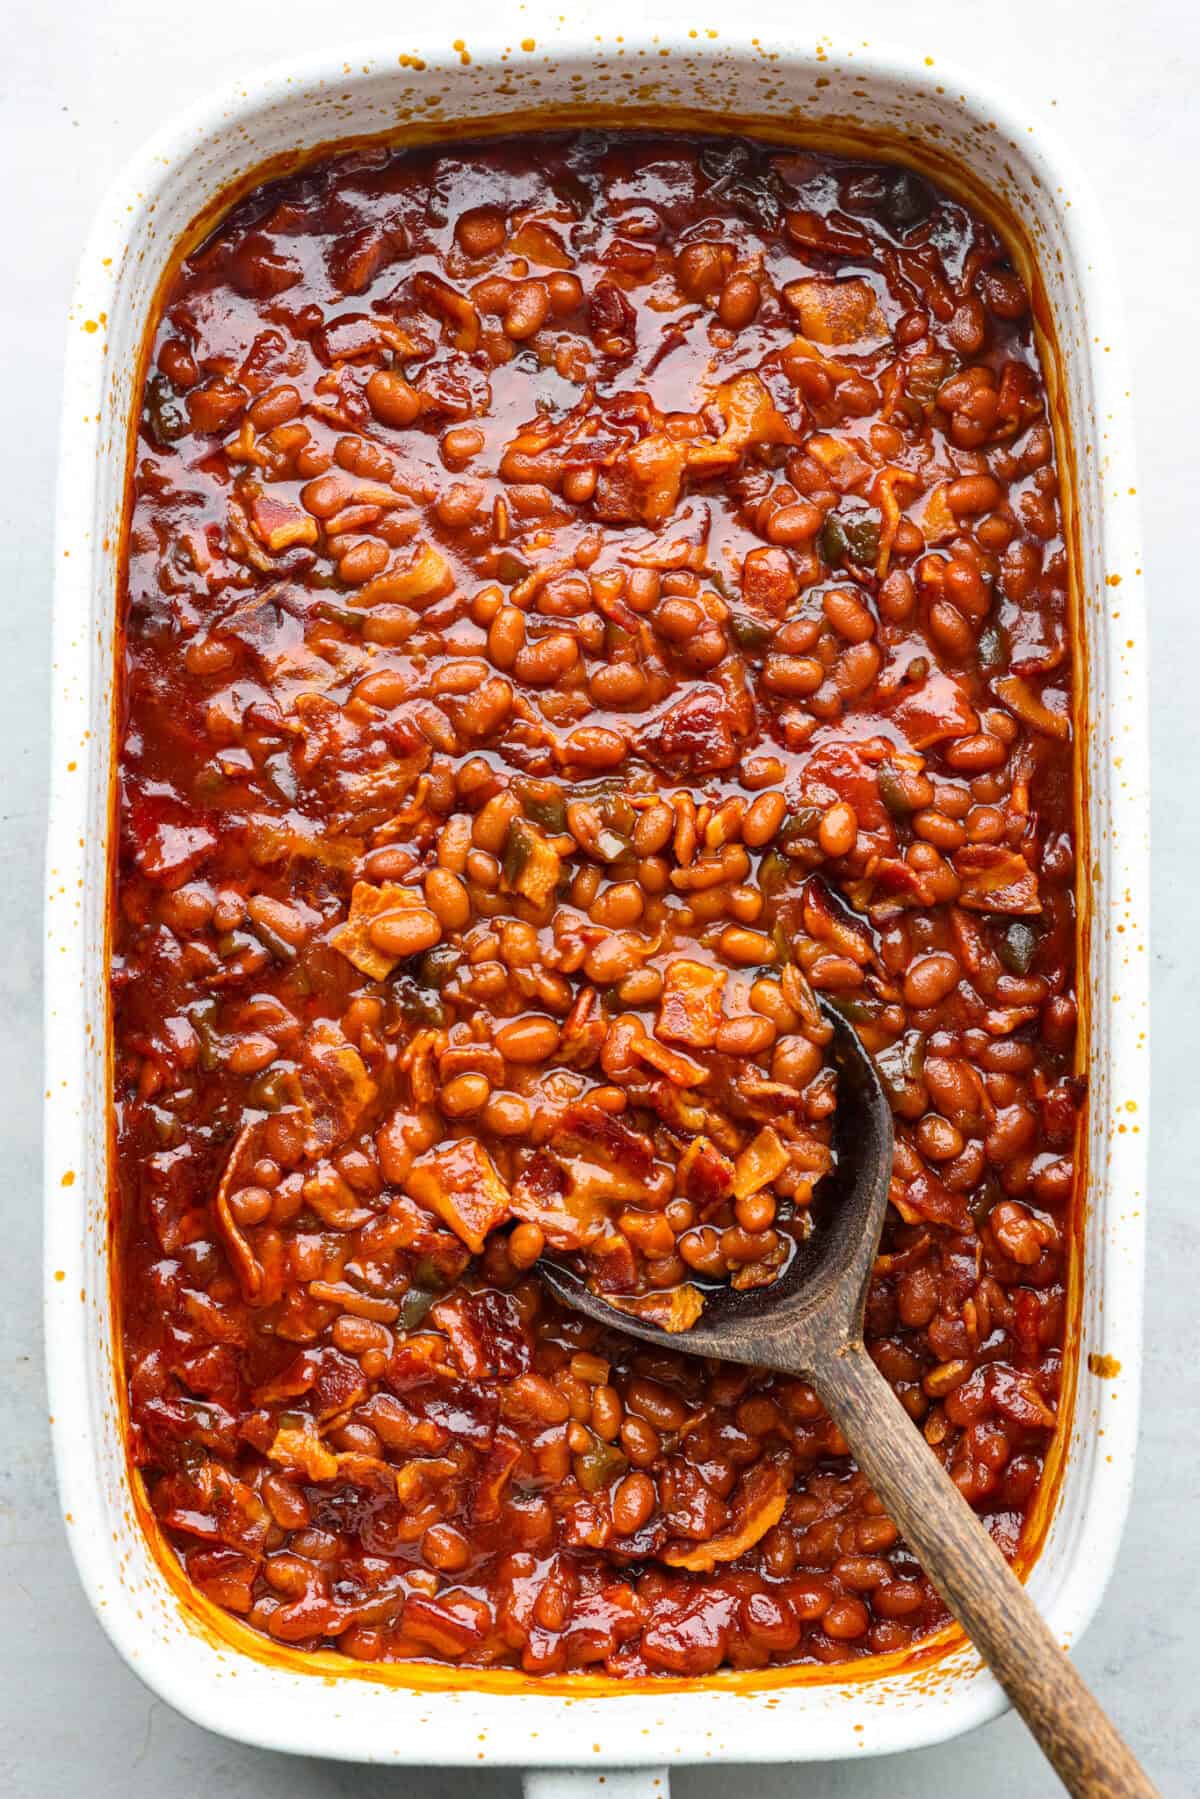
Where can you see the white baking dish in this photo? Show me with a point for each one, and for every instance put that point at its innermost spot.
(878, 97)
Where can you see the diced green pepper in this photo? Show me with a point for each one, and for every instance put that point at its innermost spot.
(832, 542)
(510, 568)
(414, 1307)
(994, 649)
(773, 871)
(418, 1005)
(599, 1466)
(438, 966)
(749, 633)
(544, 803)
(165, 415)
(862, 538)
(1018, 946)
(893, 792)
(518, 848)
(804, 823)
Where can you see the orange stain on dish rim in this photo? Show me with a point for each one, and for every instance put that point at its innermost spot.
(1106, 1366)
(68, 1179)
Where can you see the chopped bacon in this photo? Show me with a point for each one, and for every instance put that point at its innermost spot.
(757, 1506)
(458, 1181)
(693, 735)
(689, 1009)
(995, 879)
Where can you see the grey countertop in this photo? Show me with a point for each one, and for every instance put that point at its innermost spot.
(80, 86)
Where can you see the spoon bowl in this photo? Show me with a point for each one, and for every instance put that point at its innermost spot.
(819, 1298)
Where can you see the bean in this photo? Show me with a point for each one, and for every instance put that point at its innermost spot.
(655, 1404)
(950, 630)
(633, 1503)
(531, 1396)
(526, 311)
(250, 1205)
(547, 660)
(448, 899)
(618, 684)
(464, 1095)
(763, 819)
(845, 1620)
(404, 933)
(507, 1115)
(897, 596)
(746, 948)
(748, 1036)
(607, 1413)
(837, 832)
(618, 906)
(796, 523)
(795, 1062)
(252, 1053)
(975, 753)
(444, 1547)
(930, 978)
(392, 399)
(596, 747)
(480, 232)
(525, 1245)
(566, 293)
(529, 1039)
(848, 616)
(275, 407)
(639, 1440)
(460, 444)
(793, 677)
(280, 919)
(739, 301)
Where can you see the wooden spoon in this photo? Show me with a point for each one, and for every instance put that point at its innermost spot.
(810, 1324)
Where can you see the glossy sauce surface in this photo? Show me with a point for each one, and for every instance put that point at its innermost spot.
(587, 595)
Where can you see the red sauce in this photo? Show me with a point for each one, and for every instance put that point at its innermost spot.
(588, 597)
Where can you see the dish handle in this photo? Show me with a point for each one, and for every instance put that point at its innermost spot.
(608, 1783)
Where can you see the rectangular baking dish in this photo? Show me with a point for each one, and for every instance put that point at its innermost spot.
(862, 98)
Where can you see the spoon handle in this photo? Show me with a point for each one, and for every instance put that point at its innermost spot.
(976, 1582)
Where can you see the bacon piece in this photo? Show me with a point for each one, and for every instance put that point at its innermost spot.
(458, 1181)
(337, 1089)
(757, 1506)
(366, 903)
(657, 465)
(926, 1198)
(705, 1175)
(690, 1008)
(673, 1311)
(692, 736)
(995, 879)
(281, 525)
(298, 1445)
(937, 710)
(751, 419)
(837, 312)
(760, 1163)
(241, 1157)
(427, 577)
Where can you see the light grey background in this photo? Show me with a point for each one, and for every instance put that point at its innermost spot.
(80, 86)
